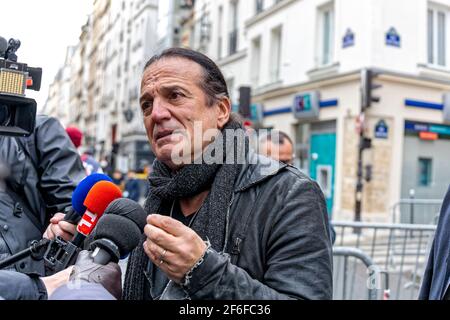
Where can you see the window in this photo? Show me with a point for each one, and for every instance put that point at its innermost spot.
(275, 56)
(437, 36)
(259, 6)
(425, 171)
(220, 35)
(230, 86)
(324, 174)
(326, 38)
(233, 35)
(256, 61)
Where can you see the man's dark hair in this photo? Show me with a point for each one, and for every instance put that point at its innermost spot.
(213, 83)
(277, 137)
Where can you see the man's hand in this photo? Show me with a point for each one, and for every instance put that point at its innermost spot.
(172, 246)
(58, 227)
(109, 276)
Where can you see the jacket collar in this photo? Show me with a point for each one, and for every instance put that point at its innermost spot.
(257, 169)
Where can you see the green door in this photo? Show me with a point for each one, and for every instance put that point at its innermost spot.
(323, 163)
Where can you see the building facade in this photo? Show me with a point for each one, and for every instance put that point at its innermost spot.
(99, 84)
(303, 60)
(291, 49)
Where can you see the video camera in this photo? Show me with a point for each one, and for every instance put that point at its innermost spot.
(17, 113)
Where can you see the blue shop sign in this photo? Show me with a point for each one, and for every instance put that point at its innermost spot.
(393, 38)
(411, 126)
(349, 39)
(381, 130)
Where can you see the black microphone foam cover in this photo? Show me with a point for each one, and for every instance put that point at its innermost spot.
(121, 231)
(130, 209)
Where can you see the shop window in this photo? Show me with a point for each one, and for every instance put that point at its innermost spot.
(425, 171)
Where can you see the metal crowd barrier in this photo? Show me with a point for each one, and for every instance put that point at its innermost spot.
(397, 252)
(344, 285)
(416, 211)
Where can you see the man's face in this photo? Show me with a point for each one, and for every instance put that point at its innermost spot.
(281, 152)
(172, 102)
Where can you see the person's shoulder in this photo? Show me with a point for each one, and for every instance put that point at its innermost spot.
(296, 180)
(264, 171)
(43, 120)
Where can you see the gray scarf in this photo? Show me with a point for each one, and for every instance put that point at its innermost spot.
(166, 187)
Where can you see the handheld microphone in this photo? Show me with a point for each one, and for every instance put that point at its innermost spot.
(115, 237)
(76, 211)
(129, 209)
(60, 253)
(96, 202)
(81, 191)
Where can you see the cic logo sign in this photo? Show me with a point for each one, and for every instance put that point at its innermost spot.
(306, 105)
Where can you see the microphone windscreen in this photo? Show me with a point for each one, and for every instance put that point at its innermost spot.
(129, 209)
(101, 195)
(121, 231)
(83, 188)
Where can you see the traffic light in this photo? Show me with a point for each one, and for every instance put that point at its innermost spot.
(245, 101)
(367, 86)
(365, 143)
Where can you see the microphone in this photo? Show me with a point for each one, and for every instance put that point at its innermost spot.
(115, 236)
(96, 202)
(129, 209)
(60, 253)
(77, 210)
(122, 207)
(81, 191)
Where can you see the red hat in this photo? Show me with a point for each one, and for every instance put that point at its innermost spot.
(75, 135)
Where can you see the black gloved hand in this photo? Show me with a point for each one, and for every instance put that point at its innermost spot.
(109, 276)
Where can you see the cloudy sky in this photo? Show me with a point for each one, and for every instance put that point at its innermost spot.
(45, 28)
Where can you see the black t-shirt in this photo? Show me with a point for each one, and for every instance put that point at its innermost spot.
(177, 214)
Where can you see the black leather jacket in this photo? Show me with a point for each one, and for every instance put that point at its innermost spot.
(278, 242)
(44, 170)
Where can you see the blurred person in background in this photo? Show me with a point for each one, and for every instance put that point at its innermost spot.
(132, 187)
(90, 164)
(278, 146)
(118, 179)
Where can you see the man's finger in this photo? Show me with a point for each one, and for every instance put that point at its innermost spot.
(57, 217)
(172, 226)
(67, 227)
(58, 232)
(154, 256)
(49, 233)
(160, 237)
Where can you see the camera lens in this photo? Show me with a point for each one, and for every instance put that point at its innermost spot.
(5, 115)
